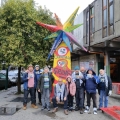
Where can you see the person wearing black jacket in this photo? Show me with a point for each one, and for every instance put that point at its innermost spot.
(79, 81)
(44, 86)
(83, 71)
(104, 88)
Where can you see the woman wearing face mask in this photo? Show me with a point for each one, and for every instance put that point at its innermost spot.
(71, 88)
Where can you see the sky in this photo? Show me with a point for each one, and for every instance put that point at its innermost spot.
(64, 8)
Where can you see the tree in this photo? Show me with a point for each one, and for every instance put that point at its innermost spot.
(21, 39)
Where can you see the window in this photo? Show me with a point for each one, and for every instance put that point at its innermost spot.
(111, 16)
(104, 18)
(87, 27)
(92, 24)
(108, 17)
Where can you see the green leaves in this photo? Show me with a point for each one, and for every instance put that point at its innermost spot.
(21, 40)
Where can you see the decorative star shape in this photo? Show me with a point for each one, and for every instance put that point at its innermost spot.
(62, 32)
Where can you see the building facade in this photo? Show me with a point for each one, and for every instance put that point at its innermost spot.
(101, 36)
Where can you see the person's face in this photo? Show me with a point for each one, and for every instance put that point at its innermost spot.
(46, 70)
(82, 69)
(90, 72)
(60, 81)
(37, 68)
(76, 71)
(69, 79)
(30, 68)
(101, 72)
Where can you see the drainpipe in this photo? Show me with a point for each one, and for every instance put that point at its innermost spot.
(89, 27)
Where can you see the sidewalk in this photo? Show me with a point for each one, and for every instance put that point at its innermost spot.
(37, 114)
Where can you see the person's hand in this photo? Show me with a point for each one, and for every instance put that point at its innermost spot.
(65, 99)
(27, 71)
(57, 99)
(80, 77)
(110, 92)
(39, 90)
(92, 76)
(96, 90)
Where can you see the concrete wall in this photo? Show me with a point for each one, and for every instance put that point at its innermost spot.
(117, 17)
(98, 22)
(78, 33)
(74, 63)
(89, 61)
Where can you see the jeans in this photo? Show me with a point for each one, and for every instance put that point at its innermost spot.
(103, 96)
(93, 96)
(80, 97)
(56, 105)
(39, 95)
(32, 94)
(70, 100)
(45, 97)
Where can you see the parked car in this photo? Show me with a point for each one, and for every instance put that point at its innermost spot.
(3, 81)
(3, 71)
(13, 76)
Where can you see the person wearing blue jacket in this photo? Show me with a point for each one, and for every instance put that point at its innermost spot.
(38, 73)
(90, 87)
(29, 82)
(104, 88)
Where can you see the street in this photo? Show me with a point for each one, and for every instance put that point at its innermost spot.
(36, 114)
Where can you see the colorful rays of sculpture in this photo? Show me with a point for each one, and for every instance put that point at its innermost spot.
(62, 32)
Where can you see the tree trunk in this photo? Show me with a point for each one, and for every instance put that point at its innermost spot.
(19, 80)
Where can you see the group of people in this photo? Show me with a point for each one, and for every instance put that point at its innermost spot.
(80, 85)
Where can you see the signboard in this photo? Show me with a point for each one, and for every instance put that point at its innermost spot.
(62, 63)
(87, 65)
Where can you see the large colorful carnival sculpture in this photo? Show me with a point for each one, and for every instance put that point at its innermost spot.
(61, 47)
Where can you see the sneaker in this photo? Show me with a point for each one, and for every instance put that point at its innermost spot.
(55, 110)
(86, 109)
(42, 108)
(48, 109)
(66, 112)
(40, 103)
(81, 111)
(95, 111)
(34, 106)
(24, 107)
(70, 109)
(76, 108)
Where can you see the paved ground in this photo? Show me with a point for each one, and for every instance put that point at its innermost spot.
(37, 114)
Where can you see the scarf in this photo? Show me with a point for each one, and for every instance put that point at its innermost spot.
(60, 91)
(106, 79)
(74, 77)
